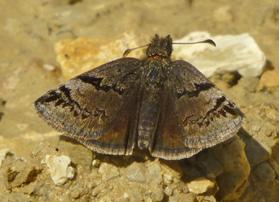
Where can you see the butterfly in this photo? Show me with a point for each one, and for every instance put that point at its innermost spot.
(165, 107)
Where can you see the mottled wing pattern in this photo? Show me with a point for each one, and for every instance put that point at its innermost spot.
(195, 115)
(97, 108)
(204, 113)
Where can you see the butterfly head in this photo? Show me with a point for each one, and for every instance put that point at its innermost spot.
(161, 47)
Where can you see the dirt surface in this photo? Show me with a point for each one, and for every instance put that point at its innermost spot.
(244, 169)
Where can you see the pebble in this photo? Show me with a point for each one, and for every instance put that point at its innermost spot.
(136, 172)
(49, 67)
(154, 172)
(167, 179)
(200, 186)
(96, 163)
(168, 190)
(157, 193)
(60, 168)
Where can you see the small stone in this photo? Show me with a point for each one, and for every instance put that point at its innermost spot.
(49, 67)
(167, 179)
(201, 186)
(154, 174)
(136, 172)
(60, 168)
(108, 171)
(125, 195)
(157, 193)
(96, 163)
(75, 193)
(168, 190)
(265, 172)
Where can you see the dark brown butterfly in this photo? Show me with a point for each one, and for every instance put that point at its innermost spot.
(156, 104)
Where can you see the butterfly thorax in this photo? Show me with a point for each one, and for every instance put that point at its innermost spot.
(160, 47)
(155, 73)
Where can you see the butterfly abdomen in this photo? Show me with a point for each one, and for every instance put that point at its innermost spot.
(148, 120)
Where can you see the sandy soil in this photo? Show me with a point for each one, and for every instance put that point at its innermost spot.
(28, 32)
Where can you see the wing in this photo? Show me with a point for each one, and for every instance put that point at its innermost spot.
(196, 115)
(206, 115)
(169, 141)
(97, 108)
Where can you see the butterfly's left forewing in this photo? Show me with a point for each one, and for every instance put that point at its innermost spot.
(97, 108)
(205, 114)
(194, 115)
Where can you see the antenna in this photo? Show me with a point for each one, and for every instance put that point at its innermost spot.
(209, 41)
(127, 51)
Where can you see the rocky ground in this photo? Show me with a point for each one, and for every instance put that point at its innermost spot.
(37, 164)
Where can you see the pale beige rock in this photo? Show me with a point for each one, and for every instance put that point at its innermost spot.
(233, 53)
(167, 179)
(49, 67)
(96, 163)
(76, 56)
(60, 168)
(154, 174)
(200, 186)
(168, 190)
(156, 193)
(136, 172)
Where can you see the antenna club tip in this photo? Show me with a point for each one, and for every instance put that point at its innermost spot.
(126, 52)
(211, 42)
